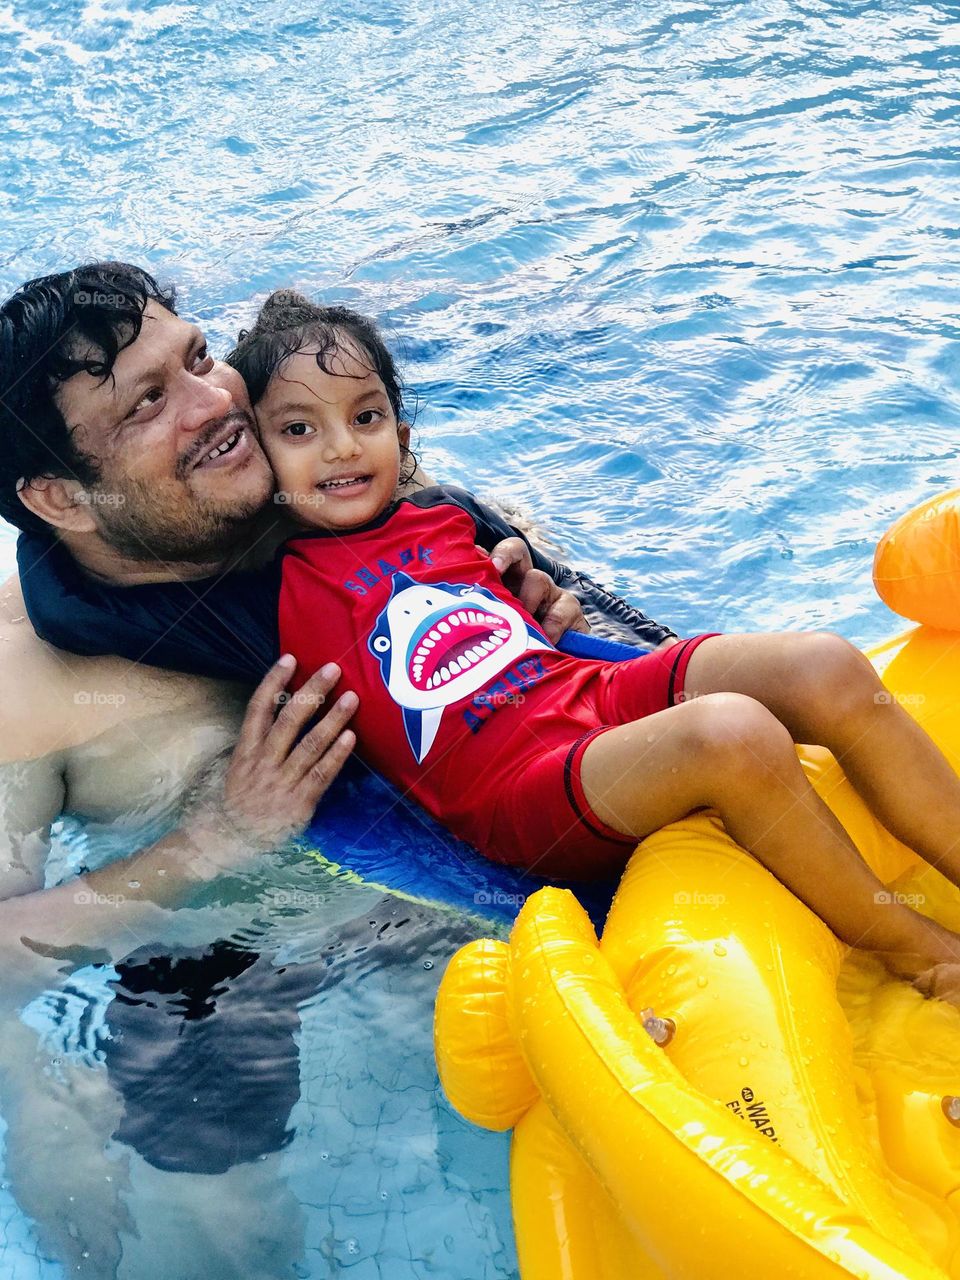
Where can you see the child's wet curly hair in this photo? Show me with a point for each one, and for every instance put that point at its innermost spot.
(288, 322)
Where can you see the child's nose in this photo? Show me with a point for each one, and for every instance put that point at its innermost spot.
(342, 443)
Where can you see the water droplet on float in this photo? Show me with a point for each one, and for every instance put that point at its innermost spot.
(744, 1060)
(671, 969)
(353, 1246)
(428, 964)
(719, 949)
(701, 982)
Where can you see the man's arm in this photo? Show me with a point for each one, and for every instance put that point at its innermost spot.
(547, 588)
(553, 593)
(559, 609)
(266, 792)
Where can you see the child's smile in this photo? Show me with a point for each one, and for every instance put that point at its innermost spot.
(332, 438)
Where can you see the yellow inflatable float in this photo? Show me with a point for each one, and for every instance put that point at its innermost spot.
(717, 1088)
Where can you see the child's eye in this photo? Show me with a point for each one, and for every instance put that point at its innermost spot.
(297, 429)
(368, 417)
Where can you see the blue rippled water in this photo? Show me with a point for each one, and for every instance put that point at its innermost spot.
(680, 279)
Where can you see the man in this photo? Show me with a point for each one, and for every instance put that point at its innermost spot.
(130, 453)
(127, 442)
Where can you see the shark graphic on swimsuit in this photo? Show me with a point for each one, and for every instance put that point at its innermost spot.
(437, 643)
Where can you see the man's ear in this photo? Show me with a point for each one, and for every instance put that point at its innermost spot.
(63, 503)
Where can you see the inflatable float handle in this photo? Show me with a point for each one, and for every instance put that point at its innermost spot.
(581, 645)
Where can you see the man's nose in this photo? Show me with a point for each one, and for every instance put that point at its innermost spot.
(206, 402)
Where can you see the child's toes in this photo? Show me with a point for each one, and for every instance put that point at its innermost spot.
(923, 982)
(942, 981)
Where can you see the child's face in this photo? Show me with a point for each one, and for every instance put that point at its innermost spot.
(332, 439)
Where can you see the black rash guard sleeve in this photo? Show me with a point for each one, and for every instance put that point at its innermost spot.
(224, 627)
(608, 614)
(227, 626)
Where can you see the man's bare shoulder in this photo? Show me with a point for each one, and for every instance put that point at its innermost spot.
(52, 701)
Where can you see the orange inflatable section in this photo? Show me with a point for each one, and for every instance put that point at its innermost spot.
(916, 568)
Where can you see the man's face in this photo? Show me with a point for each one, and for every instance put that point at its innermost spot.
(181, 471)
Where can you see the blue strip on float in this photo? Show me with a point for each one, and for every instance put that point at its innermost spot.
(367, 828)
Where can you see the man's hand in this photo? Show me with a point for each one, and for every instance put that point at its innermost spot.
(278, 773)
(557, 611)
(271, 784)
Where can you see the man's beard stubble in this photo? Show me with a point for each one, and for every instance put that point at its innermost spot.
(141, 528)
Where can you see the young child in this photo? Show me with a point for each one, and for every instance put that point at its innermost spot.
(538, 758)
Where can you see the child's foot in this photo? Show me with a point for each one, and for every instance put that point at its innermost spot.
(941, 981)
(934, 968)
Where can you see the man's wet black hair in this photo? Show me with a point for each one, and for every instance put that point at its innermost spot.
(51, 329)
(288, 322)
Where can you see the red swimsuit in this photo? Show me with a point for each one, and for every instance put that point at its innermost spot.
(464, 704)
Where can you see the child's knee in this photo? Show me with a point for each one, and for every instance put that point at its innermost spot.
(831, 677)
(733, 733)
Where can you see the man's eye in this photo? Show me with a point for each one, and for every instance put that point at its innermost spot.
(297, 429)
(367, 417)
(146, 401)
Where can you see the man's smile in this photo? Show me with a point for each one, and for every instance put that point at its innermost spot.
(229, 447)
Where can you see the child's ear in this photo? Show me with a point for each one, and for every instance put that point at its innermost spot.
(403, 433)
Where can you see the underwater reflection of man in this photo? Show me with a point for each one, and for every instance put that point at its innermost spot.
(202, 1049)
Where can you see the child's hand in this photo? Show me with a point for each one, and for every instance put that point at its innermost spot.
(557, 611)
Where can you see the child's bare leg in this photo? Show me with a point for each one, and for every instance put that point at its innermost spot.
(827, 693)
(728, 752)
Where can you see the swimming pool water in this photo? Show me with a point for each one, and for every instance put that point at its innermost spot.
(680, 279)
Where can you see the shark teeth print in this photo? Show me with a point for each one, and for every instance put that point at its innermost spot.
(455, 644)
